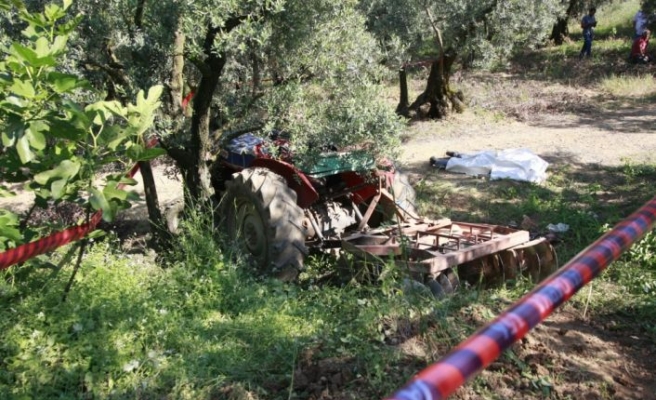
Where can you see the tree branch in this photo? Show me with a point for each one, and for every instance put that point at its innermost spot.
(138, 14)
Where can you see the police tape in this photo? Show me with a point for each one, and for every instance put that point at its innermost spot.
(441, 379)
(49, 243)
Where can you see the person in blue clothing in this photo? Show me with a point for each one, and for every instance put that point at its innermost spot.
(588, 23)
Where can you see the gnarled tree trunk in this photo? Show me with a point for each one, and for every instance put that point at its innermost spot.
(560, 29)
(438, 100)
(193, 161)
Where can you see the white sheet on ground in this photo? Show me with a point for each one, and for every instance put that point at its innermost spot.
(516, 164)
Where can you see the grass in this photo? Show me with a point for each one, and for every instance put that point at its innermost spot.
(613, 20)
(637, 87)
(202, 326)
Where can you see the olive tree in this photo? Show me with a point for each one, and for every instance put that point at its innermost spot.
(286, 64)
(571, 9)
(484, 32)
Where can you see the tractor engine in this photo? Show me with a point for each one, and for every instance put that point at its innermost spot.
(330, 219)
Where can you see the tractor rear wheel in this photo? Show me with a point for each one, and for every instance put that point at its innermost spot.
(259, 212)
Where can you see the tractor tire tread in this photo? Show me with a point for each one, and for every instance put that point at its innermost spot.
(276, 205)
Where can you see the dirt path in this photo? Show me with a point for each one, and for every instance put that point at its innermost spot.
(611, 138)
(570, 357)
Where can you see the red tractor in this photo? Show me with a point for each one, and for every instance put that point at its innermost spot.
(277, 212)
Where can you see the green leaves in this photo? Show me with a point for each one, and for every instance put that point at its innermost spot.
(9, 228)
(140, 153)
(35, 136)
(53, 12)
(23, 148)
(23, 89)
(40, 56)
(58, 177)
(64, 83)
(99, 202)
(67, 169)
(52, 143)
(111, 199)
(142, 114)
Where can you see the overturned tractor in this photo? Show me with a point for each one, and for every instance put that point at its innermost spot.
(277, 214)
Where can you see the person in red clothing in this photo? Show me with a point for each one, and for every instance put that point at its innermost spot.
(639, 50)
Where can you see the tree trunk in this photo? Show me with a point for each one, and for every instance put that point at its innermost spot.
(560, 30)
(139, 13)
(197, 178)
(177, 70)
(161, 235)
(438, 100)
(403, 107)
(257, 80)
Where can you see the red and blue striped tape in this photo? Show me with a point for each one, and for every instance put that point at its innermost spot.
(443, 378)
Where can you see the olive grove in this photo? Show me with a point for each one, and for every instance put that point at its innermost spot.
(479, 33)
(311, 69)
(572, 9)
(288, 65)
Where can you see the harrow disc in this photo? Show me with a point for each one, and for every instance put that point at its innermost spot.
(535, 259)
(446, 283)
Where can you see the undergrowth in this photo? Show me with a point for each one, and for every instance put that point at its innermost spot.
(201, 324)
(206, 326)
(199, 328)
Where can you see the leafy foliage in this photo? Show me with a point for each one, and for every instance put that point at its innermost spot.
(52, 143)
(131, 328)
(485, 32)
(313, 55)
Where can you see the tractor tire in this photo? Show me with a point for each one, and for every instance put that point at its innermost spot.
(259, 212)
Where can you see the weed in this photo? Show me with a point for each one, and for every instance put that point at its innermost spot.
(640, 86)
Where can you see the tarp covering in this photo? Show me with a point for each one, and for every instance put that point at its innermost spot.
(516, 164)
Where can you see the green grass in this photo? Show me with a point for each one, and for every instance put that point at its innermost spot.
(205, 327)
(584, 197)
(131, 329)
(614, 20)
(637, 87)
(199, 325)
(610, 50)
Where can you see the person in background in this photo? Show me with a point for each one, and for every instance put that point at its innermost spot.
(640, 22)
(588, 23)
(639, 50)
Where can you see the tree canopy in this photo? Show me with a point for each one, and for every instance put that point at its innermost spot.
(314, 69)
(487, 31)
(480, 33)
